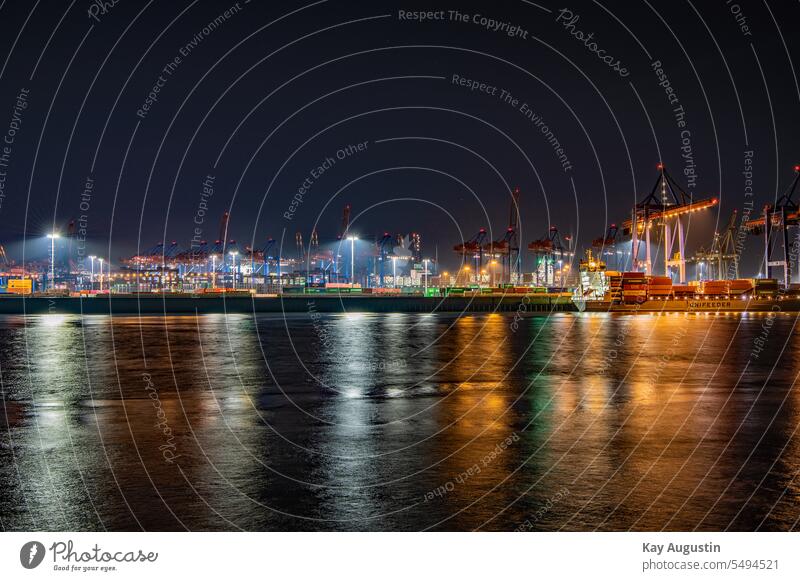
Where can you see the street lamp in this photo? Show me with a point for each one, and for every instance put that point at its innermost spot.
(425, 273)
(91, 276)
(394, 271)
(52, 238)
(280, 273)
(213, 271)
(233, 254)
(100, 260)
(352, 240)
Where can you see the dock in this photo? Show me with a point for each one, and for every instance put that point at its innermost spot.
(188, 304)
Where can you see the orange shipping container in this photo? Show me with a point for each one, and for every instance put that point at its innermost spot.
(660, 280)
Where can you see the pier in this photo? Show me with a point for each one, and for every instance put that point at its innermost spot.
(182, 304)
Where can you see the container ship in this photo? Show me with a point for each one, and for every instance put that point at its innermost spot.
(602, 290)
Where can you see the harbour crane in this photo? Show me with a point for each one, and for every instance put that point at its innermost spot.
(342, 233)
(345, 221)
(722, 259)
(194, 257)
(223, 230)
(385, 246)
(319, 258)
(607, 245)
(663, 207)
(301, 250)
(507, 247)
(547, 252)
(474, 248)
(778, 217)
(502, 248)
(173, 251)
(265, 257)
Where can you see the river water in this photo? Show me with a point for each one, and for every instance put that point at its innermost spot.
(400, 422)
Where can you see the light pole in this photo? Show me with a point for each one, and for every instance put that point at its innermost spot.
(394, 271)
(91, 276)
(425, 274)
(52, 238)
(352, 240)
(100, 260)
(233, 254)
(280, 273)
(213, 271)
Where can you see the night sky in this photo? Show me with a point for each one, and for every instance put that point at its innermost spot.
(257, 95)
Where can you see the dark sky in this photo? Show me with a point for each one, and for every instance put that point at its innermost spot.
(264, 94)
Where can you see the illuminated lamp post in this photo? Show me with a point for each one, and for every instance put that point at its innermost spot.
(233, 254)
(352, 240)
(91, 275)
(52, 238)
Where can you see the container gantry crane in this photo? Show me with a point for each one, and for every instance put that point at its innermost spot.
(664, 206)
(473, 248)
(223, 230)
(607, 245)
(778, 217)
(385, 246)
(547, 252)
(507, 248)
(723, 260)
(266, 255)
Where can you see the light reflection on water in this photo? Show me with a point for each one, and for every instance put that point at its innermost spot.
(398, 422)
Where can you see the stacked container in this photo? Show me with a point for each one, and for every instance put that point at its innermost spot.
(684, 290)
(634, 287)
(742, 286)
(614, 286)
(716, 288)
(659, 287)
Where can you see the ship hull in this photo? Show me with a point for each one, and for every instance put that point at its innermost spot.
(691, 306)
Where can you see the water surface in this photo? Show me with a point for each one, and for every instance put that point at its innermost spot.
(399, 422)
